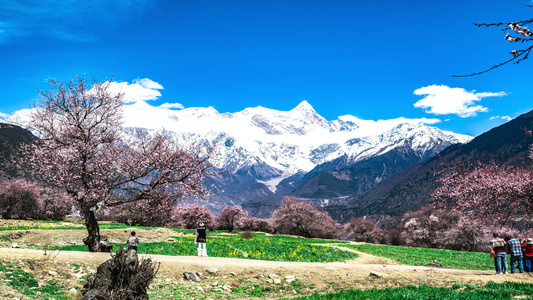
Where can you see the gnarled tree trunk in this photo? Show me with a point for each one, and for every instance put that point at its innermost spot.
(94, 241)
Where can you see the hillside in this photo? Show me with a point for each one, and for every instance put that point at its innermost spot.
(12, 137)
(411, 188)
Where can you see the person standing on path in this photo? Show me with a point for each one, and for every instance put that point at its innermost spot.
(528, 255)
(515, 250)
(133, 241)
(500, 256)
(201, 240)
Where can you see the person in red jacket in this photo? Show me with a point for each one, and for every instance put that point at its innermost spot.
(528, 255)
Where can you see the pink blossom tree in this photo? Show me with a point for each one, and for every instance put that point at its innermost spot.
(255, 224)
(498, 195)
(515, 32)
(229, 217)
(18, 199)
(304, 219)
(22, 199)
(445, 229)
(362, 230)
(155, 212)
(53, 203)
(82, 148)
(189, 216)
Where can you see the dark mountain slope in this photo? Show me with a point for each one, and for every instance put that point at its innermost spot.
(12, 137)
(344, 178)
(411, 188)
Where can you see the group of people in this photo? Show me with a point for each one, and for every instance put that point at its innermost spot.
(520, 252)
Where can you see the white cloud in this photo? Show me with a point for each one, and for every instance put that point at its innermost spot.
(444, 100)
(172, 105)
(506, 118)
(4, 116)
(140, 90)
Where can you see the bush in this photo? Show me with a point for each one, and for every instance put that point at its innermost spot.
(248, 235)
(362, 230)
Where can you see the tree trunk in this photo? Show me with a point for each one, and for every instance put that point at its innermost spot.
(94, 241)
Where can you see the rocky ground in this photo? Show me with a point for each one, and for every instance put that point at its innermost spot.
(224, 277)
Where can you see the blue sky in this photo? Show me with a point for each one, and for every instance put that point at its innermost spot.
(371, 59)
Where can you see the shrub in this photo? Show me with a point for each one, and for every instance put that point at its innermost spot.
(362, 230)
(247, 235)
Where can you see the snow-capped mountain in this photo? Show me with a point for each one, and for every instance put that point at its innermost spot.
(275, 153)
(270, 144)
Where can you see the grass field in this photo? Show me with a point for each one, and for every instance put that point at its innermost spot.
(421, 256)
(274, 248)
(51, 225)
(490, 291)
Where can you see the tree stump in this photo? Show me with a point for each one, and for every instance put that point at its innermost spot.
(123, 277)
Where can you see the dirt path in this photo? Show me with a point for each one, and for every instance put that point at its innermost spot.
(357, 268)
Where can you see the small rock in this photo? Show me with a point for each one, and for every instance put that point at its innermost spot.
(273, 276)
(72, 291)
(193, 276)
(212, 271)
(15, 245)
(435, 264)
(214, 283)
(270, 280)
(376, 274)
(277, 281)
(232, 274)
(53, 273)
(289, 278)
(218, 290)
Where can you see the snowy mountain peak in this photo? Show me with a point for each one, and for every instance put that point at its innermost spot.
(270, 142)
(304, 106)
(285, 142)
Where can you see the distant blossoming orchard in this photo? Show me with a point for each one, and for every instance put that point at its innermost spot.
(515, 32)
(82, 148)
(497, 194)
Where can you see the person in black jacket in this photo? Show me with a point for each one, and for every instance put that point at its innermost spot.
(201, 240)
(133, 241)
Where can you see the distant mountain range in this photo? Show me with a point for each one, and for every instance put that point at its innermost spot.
(274, 153)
